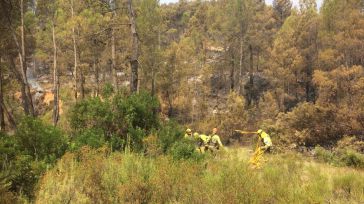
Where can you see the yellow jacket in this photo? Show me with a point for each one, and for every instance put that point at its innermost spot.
(215, 140)
(266, 139)
(204, 138)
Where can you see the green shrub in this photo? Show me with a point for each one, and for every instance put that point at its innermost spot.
(345, 157)
(352, 158)
(25, 174)
(324, 155)
(90, 137)
(26, 155)
(41, 141)
(116, 142)
(185, 149)
(168, 134)
(117, 121)
(136, 111)
(107, 90)
(8, 149)
(135, 138)
(92, 113)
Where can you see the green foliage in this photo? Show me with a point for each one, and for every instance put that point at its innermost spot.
(107, 90)
(90, 137)
(91, 113)
(20, 174)
(135, 138)
(324, 155)
(27, 154)
(137, 110)
(40, 141)
(352, 158)
(122, 120)
(168, 134)
(25, 174)
(185, 150)
(341, 157)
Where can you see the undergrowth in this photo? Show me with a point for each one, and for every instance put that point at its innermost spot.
(98, 176)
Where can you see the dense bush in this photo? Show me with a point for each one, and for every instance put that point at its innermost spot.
(136, 111)
(39, 140)
(351, 158)
(185, 149)
(340, 157)
(90, 137)
(92, 113)
(27, 154)
(121, 121)
(168, 134)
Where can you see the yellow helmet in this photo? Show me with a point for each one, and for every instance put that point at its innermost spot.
(260, 131)
(188, 130)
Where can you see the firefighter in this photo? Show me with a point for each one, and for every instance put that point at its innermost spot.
(188, 134)
(265, 138)
(202, 142)
(215, 142)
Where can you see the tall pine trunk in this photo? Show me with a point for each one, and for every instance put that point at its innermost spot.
(96, 71)
(2, 119)
(232, 71)
(21, 76)
(74, 53)
(28, 101)
(82, 84)
(55, 80)
(135, 49)
(113, 60)
(240, 63)
(251, 77)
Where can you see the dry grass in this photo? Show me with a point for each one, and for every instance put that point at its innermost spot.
(92, 176)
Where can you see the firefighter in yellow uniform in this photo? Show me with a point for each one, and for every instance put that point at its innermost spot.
(264, 145)
(188, 134)
(202, 142)
(215, 142)
(265, 138)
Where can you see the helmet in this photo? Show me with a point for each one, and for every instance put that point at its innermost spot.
(260, 131)
(188, 131)
(195, 135)
(214, 130)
